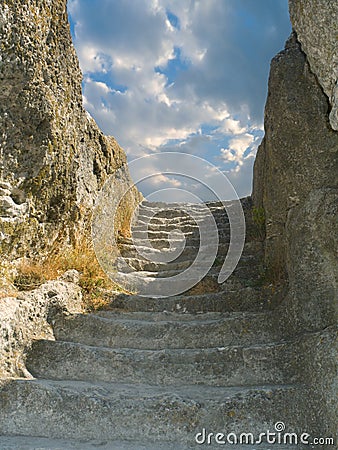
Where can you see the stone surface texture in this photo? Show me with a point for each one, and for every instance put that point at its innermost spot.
(151, 373)
(299, 152)
(315, 23)
(54, 159)
(295, 181)
(30, 316)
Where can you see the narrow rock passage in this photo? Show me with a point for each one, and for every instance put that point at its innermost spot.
(153, 373)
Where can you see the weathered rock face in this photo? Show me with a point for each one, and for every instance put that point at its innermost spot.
(298, 154)
(315, 23)
(54, 159)
(295, 181)
(30, 316)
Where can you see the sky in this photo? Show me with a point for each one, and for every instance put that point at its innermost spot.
(185, 76)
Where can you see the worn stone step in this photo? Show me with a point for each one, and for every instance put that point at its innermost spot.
(183, 227)
(188, 283)
(251, 263)
(192, 218)
(171, 215)
(189, 250)
(173, 316)
(84, 411)
(162, 245)
(222, 366)
(165, 330)
(149, 219)
(187, 276)
(251, 255)
(176, 238)
(164, 230)
(188, 253)
(150, 266)
(253, 246)
(164, 257)
(141, 263)
(231, 299)
(157, 247)
(143, 235)
(31, 443)
(179, 207)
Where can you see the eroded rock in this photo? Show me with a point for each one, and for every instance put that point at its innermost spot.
(299, 150)
(315, 22)
(54, 159)
(295, 181)
(29, 316)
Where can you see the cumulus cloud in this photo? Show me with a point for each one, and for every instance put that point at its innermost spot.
(187, 76)
(237, 148)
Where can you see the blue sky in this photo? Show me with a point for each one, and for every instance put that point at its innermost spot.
(180, 75)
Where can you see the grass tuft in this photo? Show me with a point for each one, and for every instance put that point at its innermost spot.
(94, 282)
(258, 223)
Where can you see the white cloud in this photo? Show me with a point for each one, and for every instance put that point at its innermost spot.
(231, 126)
(122, 43)
(237, 148)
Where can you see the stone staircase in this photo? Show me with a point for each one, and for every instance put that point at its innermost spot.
(151, 373)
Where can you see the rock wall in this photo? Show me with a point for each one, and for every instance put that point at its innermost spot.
(298, 155)
(295, 181)
(315, 22)
(29, 316)
(54, 159)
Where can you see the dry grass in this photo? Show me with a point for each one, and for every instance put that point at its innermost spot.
(31, 274)
(8, 294)
(94, 282)
(255, 224)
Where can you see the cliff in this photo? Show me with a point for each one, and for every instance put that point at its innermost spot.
(316, 25)
(295, 181)
(54, 158)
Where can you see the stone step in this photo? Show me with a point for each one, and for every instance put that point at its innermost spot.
(222, 366)
(173, 317)
(150, 262)
(149, 266)
(128, 275)
(188, 251)
(165, 330)
(162, 245)
(190, 283)
(193, 219)
(189, 248)
(84, 411)
(159, 246)
(149, 219)
(177, 214)
(159, 249)
(162, 206)
(253, 246)
(140, 233)
(231, 299)
(179, 208)
(156, 269)
(182, 227)
(188, 254)
(31, 443)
